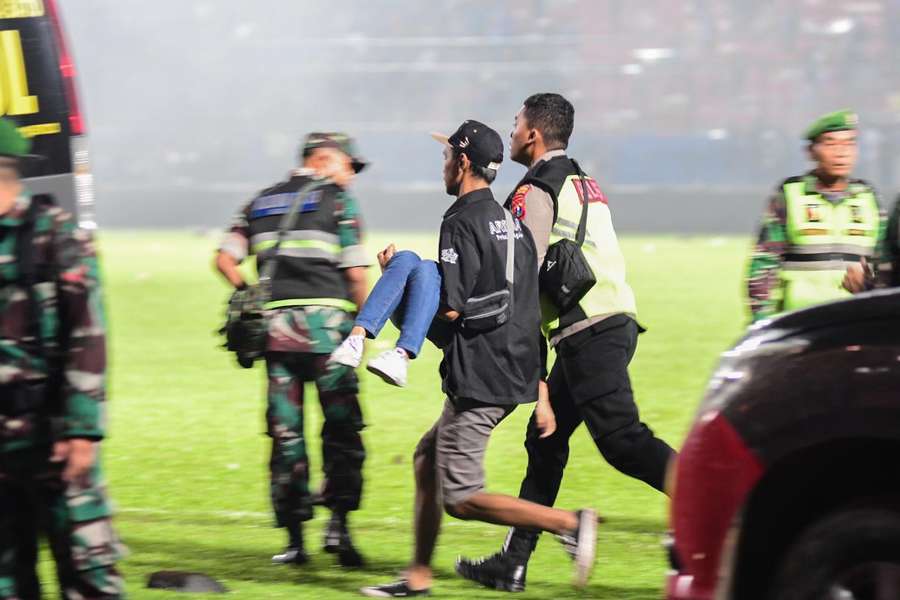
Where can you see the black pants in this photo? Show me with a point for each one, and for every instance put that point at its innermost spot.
(589, 383)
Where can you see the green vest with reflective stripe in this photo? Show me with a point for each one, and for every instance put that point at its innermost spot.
(823, 239)
(611, 294)
(309, 256)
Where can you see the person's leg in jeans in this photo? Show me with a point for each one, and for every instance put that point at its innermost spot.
(408, 293)
(414, 317)
(386, 296)
(420, 303)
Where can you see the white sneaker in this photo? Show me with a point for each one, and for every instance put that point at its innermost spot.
(350, 352)
(391, 366)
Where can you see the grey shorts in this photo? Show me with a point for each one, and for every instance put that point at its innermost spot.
(456, 446)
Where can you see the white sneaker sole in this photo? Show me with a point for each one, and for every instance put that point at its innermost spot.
(587, 547)
(385, 377)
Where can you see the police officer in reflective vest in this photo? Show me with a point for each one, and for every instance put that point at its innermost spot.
(822, 233)
(319, 281)
(594, 341)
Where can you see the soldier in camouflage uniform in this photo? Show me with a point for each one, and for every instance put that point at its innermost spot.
(318, 283)
(822, 234)
(52, 395)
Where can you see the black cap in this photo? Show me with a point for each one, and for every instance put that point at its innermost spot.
(480, 143)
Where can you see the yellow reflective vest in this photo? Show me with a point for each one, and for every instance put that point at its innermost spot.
(823, 239)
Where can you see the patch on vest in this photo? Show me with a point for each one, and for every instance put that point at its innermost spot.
(813, 214)
(517, 205)
(278, 204)
(595, 194)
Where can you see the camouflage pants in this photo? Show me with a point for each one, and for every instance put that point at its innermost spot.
(76, 520)
(342, 448)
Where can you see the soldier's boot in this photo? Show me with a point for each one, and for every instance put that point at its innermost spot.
(338, 541)
(504, 570)
(294, 553)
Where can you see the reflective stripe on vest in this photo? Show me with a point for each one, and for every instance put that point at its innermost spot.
(299, 244)
(611, 294)
(345, 305)
(823, 239)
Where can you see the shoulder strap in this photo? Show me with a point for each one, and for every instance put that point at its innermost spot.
(582, 223)
(510, 248)
(284, 226)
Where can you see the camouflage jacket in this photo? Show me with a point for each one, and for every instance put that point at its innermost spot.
(763, 281)
(68, 317)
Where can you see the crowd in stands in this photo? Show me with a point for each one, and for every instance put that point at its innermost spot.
(645, 77)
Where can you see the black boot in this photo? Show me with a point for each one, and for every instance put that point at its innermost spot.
(505, 570)
(337, 540)
(293, 554)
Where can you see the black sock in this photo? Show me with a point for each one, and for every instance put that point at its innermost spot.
(340, 517)
(520, 543)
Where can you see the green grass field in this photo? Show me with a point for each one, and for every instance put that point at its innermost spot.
(186, 458)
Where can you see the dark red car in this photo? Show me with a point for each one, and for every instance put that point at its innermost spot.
(788, 485)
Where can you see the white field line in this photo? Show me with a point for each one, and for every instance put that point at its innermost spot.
(390, 521)
(243, 514)
(230, 514)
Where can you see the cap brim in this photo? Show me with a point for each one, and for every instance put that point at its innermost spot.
(440, 137)
(359, 164)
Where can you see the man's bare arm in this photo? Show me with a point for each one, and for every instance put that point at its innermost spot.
(358, 284)
(228, 267)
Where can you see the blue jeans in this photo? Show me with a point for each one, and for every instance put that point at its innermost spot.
(408, 293)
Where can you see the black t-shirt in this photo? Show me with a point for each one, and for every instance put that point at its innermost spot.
(501, 365)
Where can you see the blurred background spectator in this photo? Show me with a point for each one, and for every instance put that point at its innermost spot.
(687, 111)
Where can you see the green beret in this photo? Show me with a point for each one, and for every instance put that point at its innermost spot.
(341, 141)
(12, 143)
(842, 120)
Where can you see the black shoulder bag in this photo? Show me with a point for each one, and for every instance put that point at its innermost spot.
(566, 276)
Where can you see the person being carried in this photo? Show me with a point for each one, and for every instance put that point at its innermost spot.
(408, 293)
(489, 304)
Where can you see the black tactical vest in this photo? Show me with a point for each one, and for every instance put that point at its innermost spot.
(308, 270)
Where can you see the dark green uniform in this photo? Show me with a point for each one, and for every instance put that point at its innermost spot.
(52, 388)
(311, 314)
